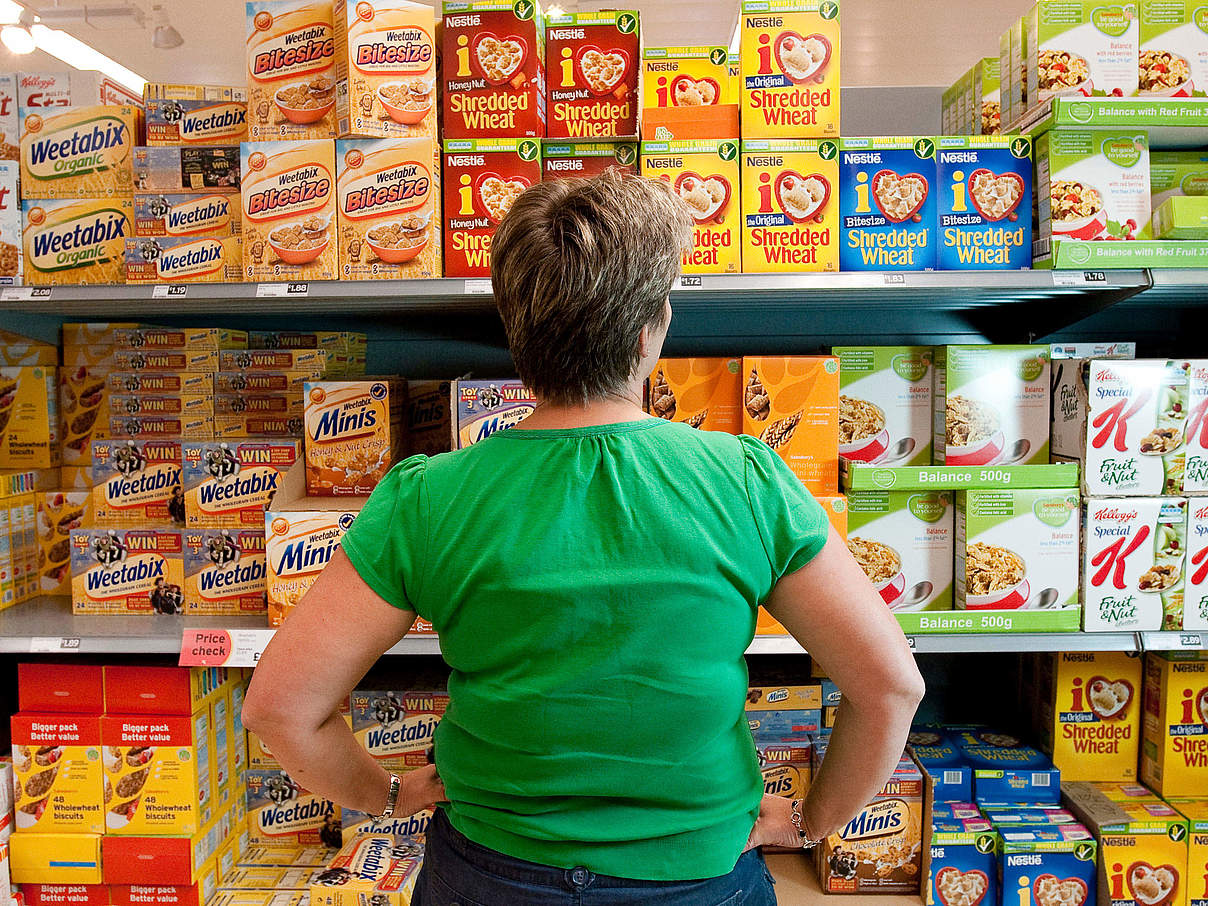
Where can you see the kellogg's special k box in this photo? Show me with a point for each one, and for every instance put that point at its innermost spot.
(291, 59)
(593, 77)
(887, 205)
(790, 206)
(704, 174)
(1195, 592)
(985, 186)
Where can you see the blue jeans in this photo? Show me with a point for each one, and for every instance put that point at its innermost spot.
(459, 872)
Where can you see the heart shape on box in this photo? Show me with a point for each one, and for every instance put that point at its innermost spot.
(497, 194)
(899, 196)
(1108, 699)
(995, 195)
(706, 196)
(802, 57)
(498, 59)
(689, 92)
(1201, 704)
(1152, 885)
(798, 195)
(602, 70)
(1049, 888)
(971, 886)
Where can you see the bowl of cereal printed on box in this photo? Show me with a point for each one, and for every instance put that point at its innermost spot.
(306, 102)
(883, 566)
(1061, 72)
(401, 240)
(1167, 569)
(973, 433)
(994, 578)
(407, 102)
(301, 242)
(1164, 74)
(863, 436)
(1076, 210)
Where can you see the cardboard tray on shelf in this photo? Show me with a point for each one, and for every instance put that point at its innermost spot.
(797, 885)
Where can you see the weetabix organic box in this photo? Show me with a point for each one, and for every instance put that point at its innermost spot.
(887, 209)
(985, 184)
(790, 69)
(228, 484)
(81, 152)
(57, 773)
(688, 92)
(791, 403)
(175, 121)
(137, 483)
(224, 571)
(903, 541)
(125, 571)
(291, 60)
(29, 418)
(587, 158)
(76, 241)
(701, 392)
(885, 407)
(1174, 750)
(1080, 47)
(593, 74)
(354, 434)
(705, 175)
(790, 206)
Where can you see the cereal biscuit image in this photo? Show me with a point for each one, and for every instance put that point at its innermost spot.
(1048, 890)
(131, 784)
(996, 196)
(8, 396)
(879, 561)
(1108, 698)
(662, 399)
(1162, 71)
(704, 196)
(688, 92)
(758, 404)
(1158, 577)
(858, 419)
(499, 58)
(1162, 440)
(801, 198)
(961, 888)
(1060, 70)
(498, 195)
(899, 196)
(1073, 200)
(969, 421)
(602, 70)
(989, 568)
(802, 59)
(1153, 885)
(780, 432)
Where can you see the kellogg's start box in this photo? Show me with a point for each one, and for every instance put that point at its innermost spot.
(594, 74)
(886, 204)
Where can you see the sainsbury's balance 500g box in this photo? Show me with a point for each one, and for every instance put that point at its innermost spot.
(81, 152)
(224, 571)
(705, 175)
(115, 571)
(885, 405)
(57, 784)
(137, 483)
(76, 241)
(228, 484)
(791, 403)
(397, 727)
(291, 69)
(280, 812)
(903, 540)
(593, 74)
(790, 205)
(1175, 174)
(1174, 751)
(985, 185)
(887, 206)
(703, 393)
(1080, 47)
(1173, 49)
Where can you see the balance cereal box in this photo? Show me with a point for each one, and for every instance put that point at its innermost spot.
(701, 393)
(57, 782)
(29, 418)
(186, 169)
(1174, 754)
(165, 260)
(484, 407)
(387, 199)
(187, 215)
(705, 175)
(82, 152)
(790, 69)
(280, 812)
(903, 541)
(11, 258)
(197, 120)
(298, 545)
(1195, 474)
(493, 69)
(988, 95)
(790, 206)
(688, 92)
(289, 210)
(58, 512)
(1080, 47)
(374, 869)
(385, 69)
(397, 727)
(229, 484)
(887, 209)
(1195, 594)
(354, 434)
(291, 68)
(593, 74)
(1196, 813)
(587, 158)
(1174, 174)
(76, 242)
(885, 407)
(985, 185)
(1173, 50)
(792, 404)
(224, 571)
(1047, 866)
(1133, 568)
(482, 179)
(124, 571)
(137, 483)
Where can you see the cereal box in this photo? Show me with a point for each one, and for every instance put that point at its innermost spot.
(790, 69)
(1125, 792)
(397, 727)
(280, 812)
(887, 211)
(155, 360)
(186, 169)
(11, 257)
(1007, 86)
(271, 360)
(988, 96)
(57, 773)
(484, 407)
(951, 776)
(790, 206)
(1047, 866)
(166, 404)
(705, 175)
(18, 350)
(1133, 569)
(197, 121)
(228, 484)
(482, 178)
(903, 540)
(493, 69)
(29, 418)
(786, 766)
(358, 824)
(688, 92)
(375, 869)
(1032, 814)
(1173, 50)
(1195, 474)
(1089, 714)
(192, 215)
(1195, 606)
(593, 74)
(1079, 47)
(224, 571)
(985, 202)
(885, 407)
(385, 69)
(1006, 770)
(1174, 174)
(9, 123)
(964, 867)
(76, 242)
(58, 858)
(354, 433)
(1196, 813)
(991, 405)
(71, 88)
(279, 404)
(289, 209)
(137, 483)
(298, 545)
(291, 67)
(245, 425)
(1174, 752)
(122, 571)
(783, 711)
(784, 394)
(387, 199)
(58, 512)
(587, 158)
(184, 260)
(82, 152)
(703, 393)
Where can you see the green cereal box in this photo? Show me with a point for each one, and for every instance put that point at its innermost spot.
(987, 97)
(1174, 174)
(1082, 47)
(885, 404)
(985, 187)
(1006, 106)
(1173, 49)
(887, 204)
(1021, 96)
(903, 540)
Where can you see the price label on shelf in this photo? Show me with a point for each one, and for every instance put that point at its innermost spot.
(911, 643)
(53, 645)
(895, 279)
(1191, 640)
(1079, 278)
(169, 291)
(24, 293)
(480, 287)
(689, 281)
(223, 647)
(281, 290)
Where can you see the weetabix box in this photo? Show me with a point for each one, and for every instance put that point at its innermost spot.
(790, 206)
(397, 727)
(483, 407)
(354, 434)
(704, 174)
(702, 393)
(167, 404)
(1174, 750)
(184, 260)
(81, 152)
(313, 361)
(887, 209)
(358, 824)
(985, 184)
(57, 779)
(792, 404)
(187, 215)
(224, 572)
(587, 158)
(291, 68)
(594, 74)
(1079, 47)
(186, 169)
(688, 92)
(280, 812)
(29, 418)
(11, 256)
(885, 406)
(76, 241)
(197, 120)
(228, 484)
(125, 571)
(137, 483)
(374, 869)
(58, 512)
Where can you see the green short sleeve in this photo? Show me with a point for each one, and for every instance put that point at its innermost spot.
(791, 523)
(388, 542)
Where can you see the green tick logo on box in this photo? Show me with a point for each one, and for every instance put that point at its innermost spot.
(1176, 832)
(624, 154)
(523, 9)
(1084, 852)
(1123, 152)
(1021, 148)
(1113, 20)
(985, 844)
(924, 148)
(727, 150)
(928, 507)
(828, 150)
(527, 150)
(911, 368)
(1055, 511)
(828, 10)
(1031, 368)
(718, 56)
(884, 478)
(627, 23)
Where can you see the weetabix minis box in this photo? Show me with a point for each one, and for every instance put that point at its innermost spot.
(157, 773)
(184, 260)
(397, 727)
(354, 433)
(593, 74)
(186, 169)
(224, 572)
(704, 174)
(29, 418)
(790, 69)
(688, 92)
(280, 812)
(885, 407)
(298, 544)
(792, 404)
(197, 120)
(291, 67)
(701, 393)
(1174, 750)
(587, 158)
(887, 209)
(187, 215)
(76, 241)
(1080, 47)
(903, 541)
(985, 184)
(137, 483)
(790, 206)
(482, 179)
(228, 484)
(58, 512)
(57, 780)
(81, 152)
(124, 571)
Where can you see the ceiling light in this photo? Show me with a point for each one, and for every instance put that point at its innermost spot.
(554, 12)
(76, 53)
(18, 39)
(164, 36)
(10, 12)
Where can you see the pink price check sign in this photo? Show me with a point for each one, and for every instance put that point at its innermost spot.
(222, 647)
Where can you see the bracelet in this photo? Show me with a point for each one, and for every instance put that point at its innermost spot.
(807, 841)
(396, 784)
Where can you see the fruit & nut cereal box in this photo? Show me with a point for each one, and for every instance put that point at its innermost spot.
(701, 392)
(1196, 813)
(1174, 750)
(1080, 47)
(493, 69)
(281, 812)
(395, 726)
(137, 483)
(387, 199)
(11, 257)
(76, 241)
(587, 158)
(214, 214)
(57, 781)
(885, 407)
(186, 169)
(903, 540)
(791, 403)
(482, 179)
(593, 74)
(184, 260)
(1195, 594)
(29, 418)
(985, 185)
(374, 869)
(124, 571)
(790, 69)
(485, 406)
(887, 210)
(1195, 473)
(1047, 866)
(175, 121)
(1133, 568)
(705, 175)
(298, 545)
(228, 484)
(385, 69)
(81, 152)
(291, 67)
(1173, 50)
(354, 434)
(688, 92)
(964, 867)
(224, 571)
(790, 205)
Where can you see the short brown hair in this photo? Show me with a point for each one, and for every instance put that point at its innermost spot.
(579, 266)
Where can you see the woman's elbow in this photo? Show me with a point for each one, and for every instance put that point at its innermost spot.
(890, 691)
(260, 711)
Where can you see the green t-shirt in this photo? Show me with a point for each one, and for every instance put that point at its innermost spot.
(594, 591)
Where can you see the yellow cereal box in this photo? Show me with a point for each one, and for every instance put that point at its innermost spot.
(168, 260)
(83, 412)
(236, 427)
(57, 781)
(280, 812)
(702, 393)
(228, 484)
(137, 483)
(18, 350)
(76, 242)
(688, 92)
(124, 571)
(790, 68)
(835, 506)
(168, 404)
(1174, 752)
(313, 361)
(373, 869)
(193, 216)
(790, 206)
(388, 193)
(792, 404)
(289, 210)
(157, 773)
(385, 68)
(291, 58)
(56, 859)
(58, 512)
(224, 571)
(29, 418)
(191, 338)
(191, 360)
(1196, 813)
(82, 152)
(705, 175)
(94, 333)
(354, 433)
(299, 543)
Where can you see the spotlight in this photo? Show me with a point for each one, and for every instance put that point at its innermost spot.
(164, 36)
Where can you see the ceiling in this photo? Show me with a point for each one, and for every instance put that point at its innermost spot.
(933, 45)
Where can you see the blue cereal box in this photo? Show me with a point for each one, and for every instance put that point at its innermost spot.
(964, 863)
(781, 712)
(984, 184)
(1006, 770)
(887, 204)
(950, 772)
(1048, 866)
(1038, 814)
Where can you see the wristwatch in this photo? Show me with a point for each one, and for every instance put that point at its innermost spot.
(806, 841)
(396, 784)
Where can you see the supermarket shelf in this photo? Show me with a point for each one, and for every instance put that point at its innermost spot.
(984, 643)
(1174, 641)
(1170, 123)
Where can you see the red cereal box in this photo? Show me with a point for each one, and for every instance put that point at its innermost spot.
(587, 158)
(594, 74)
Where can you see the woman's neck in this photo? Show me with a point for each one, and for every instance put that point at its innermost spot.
(554, 416)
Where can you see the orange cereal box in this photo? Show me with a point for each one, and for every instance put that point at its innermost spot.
(58, 512)
(224, 571)
(701, 393)
(228, 484)
(791, 403)
(688, 92)
(493, 69)
(76, 241)
(790, 206)
(705, 175)
(482, 178)
(594, 74)
(289, 210)
(790, 68)
(81, 152)
(291, 69)
(354, 434)
(388, 195)
(298, 544)
(835, 506)
(124, 571)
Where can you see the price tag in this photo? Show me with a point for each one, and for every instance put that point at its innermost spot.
(481, 287)
(688, 281)
(895, 279)
(169, 291)
(24, 293)
(1079, 278)
(281, 290)
(1190, 640)
(222, 647)
(911, 643)
(53, 645)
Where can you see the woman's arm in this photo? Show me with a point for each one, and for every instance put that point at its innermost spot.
(337, 632)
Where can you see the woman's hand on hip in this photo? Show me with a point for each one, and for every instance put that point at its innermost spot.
(422, 789)
(775, 824)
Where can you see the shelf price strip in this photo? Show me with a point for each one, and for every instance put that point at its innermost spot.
(223, 647)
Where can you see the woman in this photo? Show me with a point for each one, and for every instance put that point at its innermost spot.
(593, 575)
